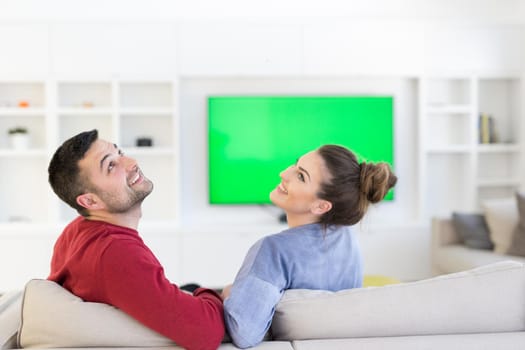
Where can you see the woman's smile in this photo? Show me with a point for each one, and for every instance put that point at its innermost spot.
(282, 189)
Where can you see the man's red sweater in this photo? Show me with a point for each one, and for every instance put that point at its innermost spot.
(105, 263)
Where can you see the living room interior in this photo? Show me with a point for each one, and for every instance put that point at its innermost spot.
(135, 72)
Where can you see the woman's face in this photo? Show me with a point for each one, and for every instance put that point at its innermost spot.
(300, 183)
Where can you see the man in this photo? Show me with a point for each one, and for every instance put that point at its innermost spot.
(100, 256)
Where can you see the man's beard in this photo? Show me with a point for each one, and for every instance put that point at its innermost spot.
(117, 205)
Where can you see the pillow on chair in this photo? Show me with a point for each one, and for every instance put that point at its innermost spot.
(473, 230)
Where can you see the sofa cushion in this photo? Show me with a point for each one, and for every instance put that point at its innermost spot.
(52, 317)
(457, 257)
(473, 230)
(464, 302)
(265, 345)
(517, 246)
(502, 217)
(498, 341)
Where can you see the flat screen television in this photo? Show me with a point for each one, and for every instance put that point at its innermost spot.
(251, 139)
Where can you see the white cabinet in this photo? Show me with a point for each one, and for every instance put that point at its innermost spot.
(53, 111)
(459, 167)
(23, 105)
(499, 170)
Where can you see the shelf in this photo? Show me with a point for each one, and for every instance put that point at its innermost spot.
(149, 151)
(498, 182)
(30, 229)
(82, 111)
(453, 149)
(23, 153)
(136, 111)
(498, 148)
(438, 109)
(20, 112)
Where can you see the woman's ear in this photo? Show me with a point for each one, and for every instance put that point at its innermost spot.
(321, 206)
(89, 201)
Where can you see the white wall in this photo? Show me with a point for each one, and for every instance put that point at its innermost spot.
(272, 46)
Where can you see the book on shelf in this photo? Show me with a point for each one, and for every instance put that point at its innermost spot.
(487, 130)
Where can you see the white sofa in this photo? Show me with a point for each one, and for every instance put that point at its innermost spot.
(449, 254)
(479, 308)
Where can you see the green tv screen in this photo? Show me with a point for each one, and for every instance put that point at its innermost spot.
(252, 139)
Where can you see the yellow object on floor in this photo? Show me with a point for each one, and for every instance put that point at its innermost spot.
(378, 281)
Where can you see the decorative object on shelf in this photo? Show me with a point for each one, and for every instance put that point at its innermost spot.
(19, 138)
(23, 104)
(144, 142)
(88, 104)
(487, 131)
(18, 218)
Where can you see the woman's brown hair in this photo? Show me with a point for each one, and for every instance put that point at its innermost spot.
(352, 185)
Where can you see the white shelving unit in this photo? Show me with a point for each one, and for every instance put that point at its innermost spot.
(53, 111)
(457, 171)
(23, 104)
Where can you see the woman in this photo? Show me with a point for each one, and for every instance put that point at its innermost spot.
(325, 192)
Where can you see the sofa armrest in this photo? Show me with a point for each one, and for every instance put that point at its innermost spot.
(443, 232)
(10, 305)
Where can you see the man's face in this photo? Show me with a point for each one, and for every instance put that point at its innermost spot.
(115, 178)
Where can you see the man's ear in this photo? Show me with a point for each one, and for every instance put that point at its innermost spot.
(321, 206)
(89, 201)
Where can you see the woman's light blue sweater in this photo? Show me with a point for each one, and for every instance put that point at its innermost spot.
(304, 257)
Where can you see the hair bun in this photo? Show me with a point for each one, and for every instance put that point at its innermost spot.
(376, 180)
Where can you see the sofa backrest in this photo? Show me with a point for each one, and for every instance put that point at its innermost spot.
(486, 299)
(483, 300)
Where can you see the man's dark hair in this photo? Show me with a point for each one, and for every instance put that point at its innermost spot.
(64, 174)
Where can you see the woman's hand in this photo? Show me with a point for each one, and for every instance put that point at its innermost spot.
(226, 291)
